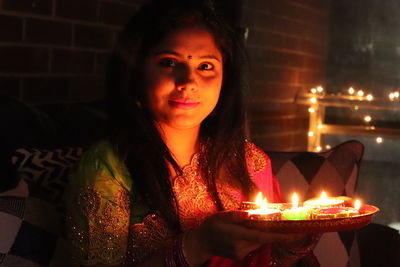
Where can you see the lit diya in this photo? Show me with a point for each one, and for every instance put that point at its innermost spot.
(324, 202)
(337, 212)
(316, 216)
(296, 212)
(261, 211)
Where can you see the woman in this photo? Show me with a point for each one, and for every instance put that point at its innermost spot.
(165, 188)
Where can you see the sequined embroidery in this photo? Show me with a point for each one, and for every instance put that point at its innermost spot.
(194, 200)
(148, 236)
(107, 239)
(258, 160)
(104, 240)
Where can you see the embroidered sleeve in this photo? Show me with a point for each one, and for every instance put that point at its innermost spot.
(260, 171)
(98, 211)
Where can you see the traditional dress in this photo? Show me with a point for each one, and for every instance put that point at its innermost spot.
(107, 224)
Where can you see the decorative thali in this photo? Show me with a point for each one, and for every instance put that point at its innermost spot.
(316, 225)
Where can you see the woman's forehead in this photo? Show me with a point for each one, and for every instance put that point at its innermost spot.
(190, 41)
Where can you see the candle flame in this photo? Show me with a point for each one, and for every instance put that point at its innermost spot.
(295, 201)
(357, 204)
(324, 196)
(259, 199)
(264, 205)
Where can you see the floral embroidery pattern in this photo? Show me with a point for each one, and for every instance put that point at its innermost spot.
(258, 161)
(195, 202)
(104, 238)
(147, 237)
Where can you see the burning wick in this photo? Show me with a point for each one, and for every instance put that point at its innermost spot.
(263, 212)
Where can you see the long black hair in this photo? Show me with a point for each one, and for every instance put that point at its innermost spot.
(132, 129)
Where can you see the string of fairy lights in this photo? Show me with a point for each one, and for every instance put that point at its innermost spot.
(352, 95)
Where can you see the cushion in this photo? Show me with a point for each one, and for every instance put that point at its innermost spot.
(30, 230)
(33, 211)
(308, 173)
(336, 172)
(47, 170)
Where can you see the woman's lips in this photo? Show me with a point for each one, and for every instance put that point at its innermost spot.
(183, 103)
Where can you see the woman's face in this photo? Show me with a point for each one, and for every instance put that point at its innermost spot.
(183, 75)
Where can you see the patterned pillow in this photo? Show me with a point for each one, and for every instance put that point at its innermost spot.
(336, 172)
(308, 173)
(47, 170)
(31, 215)
(29, 230)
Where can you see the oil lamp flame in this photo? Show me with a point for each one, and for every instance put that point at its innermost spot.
(264, 204)
(357, 204)
(324, 196)
(259, 200)
(295, 201)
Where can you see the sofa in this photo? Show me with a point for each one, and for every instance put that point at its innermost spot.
(41, 143)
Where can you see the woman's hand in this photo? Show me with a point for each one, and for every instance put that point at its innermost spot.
(290, 253)
(223, 234)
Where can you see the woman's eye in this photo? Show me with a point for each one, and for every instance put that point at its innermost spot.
(206, 66)
(168, 62)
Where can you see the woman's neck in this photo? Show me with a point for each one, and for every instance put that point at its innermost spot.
(182, 143)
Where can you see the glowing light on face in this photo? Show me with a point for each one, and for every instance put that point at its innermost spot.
(184, 78)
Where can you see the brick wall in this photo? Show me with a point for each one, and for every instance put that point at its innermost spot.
(286, 44)
(56, 50)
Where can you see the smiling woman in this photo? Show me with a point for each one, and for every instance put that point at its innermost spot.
(165, 188)
(184, 78)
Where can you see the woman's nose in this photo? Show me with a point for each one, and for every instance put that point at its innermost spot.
(185, 79)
